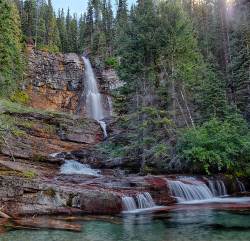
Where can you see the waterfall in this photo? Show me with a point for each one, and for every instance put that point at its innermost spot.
(74, 167)
(241, 186)
(94, 99)
(141, 201)
(145, 200)
(128, 203)
(217, 187)
(189, 191)
(110, 106)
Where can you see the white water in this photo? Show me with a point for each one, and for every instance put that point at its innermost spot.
(128, 203)
(142, 202)
(187, 191)
(220, 200)
(110, 106)
(217, 187)
(241, 186)
(94, 99)
(145, 200)
(74, 167)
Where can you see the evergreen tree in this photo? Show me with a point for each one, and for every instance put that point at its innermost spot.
(240, 55)
(73, 35)
(89, 30)
(62, 30)
(28, 18)
(10, 48)
(52, 33)
(82, 27)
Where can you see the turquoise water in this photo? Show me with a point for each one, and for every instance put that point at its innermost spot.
(198, 225)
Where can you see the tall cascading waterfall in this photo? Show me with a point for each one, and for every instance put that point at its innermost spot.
(94, 99)
(141, 201)
(191, 189)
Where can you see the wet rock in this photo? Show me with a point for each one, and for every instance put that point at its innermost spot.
(100, 202)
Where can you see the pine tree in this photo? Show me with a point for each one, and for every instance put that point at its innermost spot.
(28, 18)
(62, 30)
(240, 55)
(89, 30)
(73, 35)
(121, 24)
(82, 27)
(10, 48)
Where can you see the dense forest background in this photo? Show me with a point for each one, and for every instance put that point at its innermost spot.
(185, 105)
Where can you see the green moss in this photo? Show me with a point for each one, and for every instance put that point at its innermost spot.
(29, 174)
(20, 97)
(18, 133)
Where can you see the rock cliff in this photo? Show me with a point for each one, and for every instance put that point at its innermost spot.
(54, 81)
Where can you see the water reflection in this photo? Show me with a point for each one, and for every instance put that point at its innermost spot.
(198, 225)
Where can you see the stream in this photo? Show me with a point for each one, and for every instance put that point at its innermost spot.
(184, 225)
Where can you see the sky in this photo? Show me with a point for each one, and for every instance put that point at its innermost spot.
(77, 6)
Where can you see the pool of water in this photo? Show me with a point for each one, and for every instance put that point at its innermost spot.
(198, 225)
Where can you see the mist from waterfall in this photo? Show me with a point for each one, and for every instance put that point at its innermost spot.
(94, 104)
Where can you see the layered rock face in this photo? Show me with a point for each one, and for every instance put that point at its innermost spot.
(54, 81)
(36, 134)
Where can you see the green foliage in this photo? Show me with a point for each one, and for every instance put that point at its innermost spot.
(49, 48)
(20, 97)
(111, 62)
(10, 48)
(216, 146)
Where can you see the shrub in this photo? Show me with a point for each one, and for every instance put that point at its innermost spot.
(216, 146)
(49, 48)
(111, 62)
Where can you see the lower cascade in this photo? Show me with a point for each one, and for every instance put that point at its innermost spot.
(217, 187)
(241, 186)
(189, 191)
(74, 167)
(140, 201)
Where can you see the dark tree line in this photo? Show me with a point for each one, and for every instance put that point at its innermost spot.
(67, 32)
